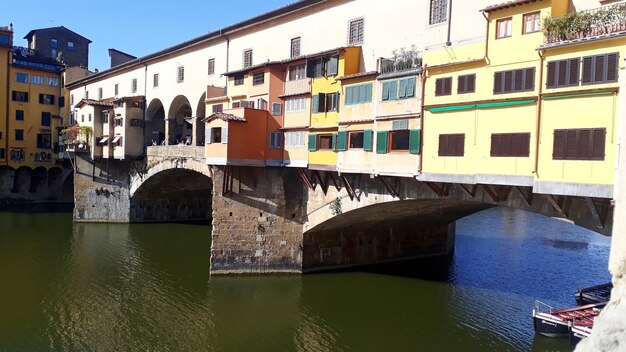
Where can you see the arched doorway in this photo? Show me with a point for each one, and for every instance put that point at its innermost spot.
(154, 131)
(199, 125)
(179, 122)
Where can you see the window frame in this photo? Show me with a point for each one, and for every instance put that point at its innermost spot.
(24, 77)
(444, 139)
(565, 149)
(41, 138)
(332, 102)
(508, 140)
(19, 115)
(296, 71)
(238, 79)
(463, 82)
(180, 74)
(404, 133)
(535, 22)
(258, 79)
(19, 134)
(513, 74)
(155, 80)
(295, 48)
(247, 59)
(133, 85)
(275, 140)
(354, 134)
(356, 31)
(211, 66)
(70, 46)
(443, 86)
(319, 137)
(438, 12)
(508, 21)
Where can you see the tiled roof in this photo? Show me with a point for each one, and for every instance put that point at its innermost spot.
(250, 68)
(507, 4)
(584, 40)
(213, 99)
(224, 117)
(94, 103)
(347, 122)
(321, 53)
(358, 75)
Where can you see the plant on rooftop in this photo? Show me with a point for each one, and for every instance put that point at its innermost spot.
(578, 25)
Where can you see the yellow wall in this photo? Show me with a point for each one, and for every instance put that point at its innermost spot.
(4, 60)
(455, 54)
(298, 119)
(216, 150)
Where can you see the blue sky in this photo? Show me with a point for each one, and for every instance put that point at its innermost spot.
(135, 27)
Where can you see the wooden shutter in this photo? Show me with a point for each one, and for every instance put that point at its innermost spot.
(208, 135)
(461, 84)
(460, 145)
(497, 83)
(25, 97)
(342, 141)
(496, 140)
(438, 87)
(574, 72)
(506, 145)
(525, 145)
(562, 73)
(334, 142)
(508, 82)
(584, 144)
(402, 88)
(14, 95)
(224, 135)
(310, 68)
(414, 141)
(611, 67)
(599, 69)
(518, 81)
(40, 98)
(551, 76)
(452, 146)
(381, 142)
(61, 102)
(362, 93)
(332, 66)
(443, 145)
(587, 70)
(571, 144)
(312, 142)
(367, 140)
(529, 79)
(598, 143)
(321, 102)
(447, 86)
(385, 91)
(393, 90)
(470, 85)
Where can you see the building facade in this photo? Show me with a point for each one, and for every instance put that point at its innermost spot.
(60, 44)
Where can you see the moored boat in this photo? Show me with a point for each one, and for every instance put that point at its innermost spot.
(579, 330)
(552, 322)
(594, 294)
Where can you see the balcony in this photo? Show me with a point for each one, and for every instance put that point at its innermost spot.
(32, 58)
(402, 61)
(299, 86)
(584, 24)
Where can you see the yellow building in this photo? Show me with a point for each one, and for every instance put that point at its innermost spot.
(324, 69)
(6, 46)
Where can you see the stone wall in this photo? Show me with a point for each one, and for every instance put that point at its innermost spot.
(41, 185)
(257, 223)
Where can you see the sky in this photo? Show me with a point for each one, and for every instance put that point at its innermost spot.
(136, 27)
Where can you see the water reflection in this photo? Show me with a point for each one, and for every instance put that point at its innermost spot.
(146, 287)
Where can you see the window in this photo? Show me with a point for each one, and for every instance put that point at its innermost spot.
(216, 135)
(514, 81)
(579, 144)
(355, 34)
(38, 80)
(61, 102)
(117, 89)
(399, 140)
(510, 144)
(89, 117)
(100, 93)
(21, 77)
(295, 105)
(258, 79)
(239, 79)
(277, 109)
(105, 117)
(117, 141)
(54, 46)
(72, 97)
(82, 118)
(180, 77)
(355, 140)
(17, 154)
(600, 69)
(504, 28)
(247, 58)
(297, 72)
(466, 84)
(295, 47)
(117, 121)
(275, 140)
(19, 115)
(532, 22)
(563, 73)
(324, 66)
(2, 156)
(211, 66)
(438, 11)
(360, 94)
(295, 139)
(443, 86)
(52, 81)
(451, 144)
(325, 142)
(133, 85)
(155, 80)
(261, 104)
(44, 140)
(332, 101)
(47, 99)
(399, 89)
(19, 135)
(217, 108)
(70, 46)
(20, 96)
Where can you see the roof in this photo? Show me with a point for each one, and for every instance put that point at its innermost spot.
(219, 33)
(506, 5)
(250, 68)
(358, 75)
(62, 28)
(214, 99)
(94, 103)
(121, 52)
(224, 117)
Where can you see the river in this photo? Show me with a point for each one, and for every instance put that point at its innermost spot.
(94, 287)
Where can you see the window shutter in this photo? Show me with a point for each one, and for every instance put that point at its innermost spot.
(310, 68)
(443, 145)
(410, 88)
(333, 66)
(599, 69)
(368, 93)
(611, 72)
(342, 141)
(574, 72)
(381, 142)
(207, 135)
(507, 85)
(393, 90)
(497, 83)
(584, 144)
(402, 88)
(571, 144)
(385, 91)
(438, 87)
(518, 81)
(551, 76)
(562, 73)
(460, 145)
(349, 92)
(40, 98)
(61, 102)
(587, 70)
(367, 140)
(598, 144)
(334, 142)
(25, 97)
(471, 83)
(315, 104)
(525, 148)
(52, 99)
(224, 135)
(496, 140)
(321, 103)
(447, 86)
(362, 94)
(461, 84)
(414, 141)
(530, 79)
(13, 95)
(312, 142)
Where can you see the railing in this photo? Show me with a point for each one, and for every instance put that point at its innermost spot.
(21, 51)
(582, 24)
(298, 86)
(187, 151)
(400, 63)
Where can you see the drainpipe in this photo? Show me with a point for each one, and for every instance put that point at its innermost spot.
(539, 110)
(486, 38)
(421, 160)
(448, 42)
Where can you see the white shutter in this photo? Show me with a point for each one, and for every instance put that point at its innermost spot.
(208, 136)
(224, 135)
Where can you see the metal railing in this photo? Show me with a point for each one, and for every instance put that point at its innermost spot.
(400, 63)
(582, 24)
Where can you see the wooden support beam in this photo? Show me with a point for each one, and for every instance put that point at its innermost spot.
(522, 196)
(305, 178)
(225, 181)
(469, 191)
(555, 205)
(333, 180)
(348, 187)
(390, 190)
(321, 181)
(492, 193)
(440, 191)
(594, 212)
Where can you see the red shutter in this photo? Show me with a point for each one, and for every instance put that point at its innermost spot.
(551, 77)
(611, 69)
(598, 143)
(574, 72)
(587, 69)
(558, 148)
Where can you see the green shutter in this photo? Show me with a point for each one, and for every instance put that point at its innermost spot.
(410, 88)
(403, 88)
(342, 141)
(362, 93)
(368, 93)
(333, 66)
(367, 140)
(393, 90)
(386, 91)
(381, 142)
(414, 141)
(315, 102)
(334, 142)
(321, 102)
(310, 68)
(312, 142)
(349, 91)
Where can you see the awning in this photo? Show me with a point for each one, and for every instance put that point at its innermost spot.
(104, 139)
(116, 139)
